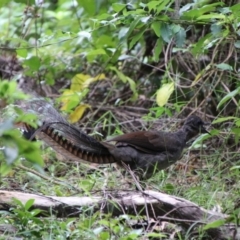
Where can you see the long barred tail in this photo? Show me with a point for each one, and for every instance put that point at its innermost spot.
(63, 137)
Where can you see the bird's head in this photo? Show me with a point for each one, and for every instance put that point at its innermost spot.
(195, 125)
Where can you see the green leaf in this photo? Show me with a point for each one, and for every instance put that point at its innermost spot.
(153, 5)
(156, 26)
(228, 97)
(96, 52)
(216, 29)
(18, 202)
(198, 142)
(180, 37)
(136, 38)
(185, 8)
(88, 5)
(237, 44)
(33, 63)
(29, 204)
(133, 25)
(132, 85)
(118, 7)
(4, 2)
(29, 150)
(224, 66)
(215, 224)
(199, 46)
(164, 93)
(157, 49)
(22, 53)
(211, 16)
(158, 6)
(223, 119)
(166, 32)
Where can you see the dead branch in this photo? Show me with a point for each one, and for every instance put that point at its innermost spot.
(157, 205)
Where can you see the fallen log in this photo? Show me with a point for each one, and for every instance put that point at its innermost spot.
(152, 204)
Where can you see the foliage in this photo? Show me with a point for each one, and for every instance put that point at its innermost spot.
(14, 145)
(100, 58)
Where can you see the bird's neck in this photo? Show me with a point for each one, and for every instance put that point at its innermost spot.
(188, 132)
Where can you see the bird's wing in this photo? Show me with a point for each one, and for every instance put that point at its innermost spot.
(149, 141)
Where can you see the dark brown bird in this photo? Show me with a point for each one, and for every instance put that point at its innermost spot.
(145, 152)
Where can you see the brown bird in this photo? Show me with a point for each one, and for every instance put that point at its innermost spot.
(145, 152)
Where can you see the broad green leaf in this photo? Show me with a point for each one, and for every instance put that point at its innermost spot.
(162, 5)
(145, 19)
(136, 37)
(224, 66)
(237, 122)
(223, 119)
(180, 37)
(156, 26)
(234, 168)
(5, 169)
(132, 85)
(22, 53)
(215, 224)
(228, 97)
(211, 16)
(185, 8)
(78, 112)
(133, 25)
(29, 204)
(198, 142)
(198, 48)
(118, 7)
(235, 8)
(33, 63)
(199, 12)
(237, 43)
(152, 5)
(120, 74)
(4, 2)
(164, 93)
(216, 29)
(157, 49)
(158, 6)
(166, 32)
(29, 150)
(96, 52)
(88, 5)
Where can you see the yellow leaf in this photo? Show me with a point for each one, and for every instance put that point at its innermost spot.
(164, 93)
(78, 80)
(81, 81)
(68, 99)
(78, 112)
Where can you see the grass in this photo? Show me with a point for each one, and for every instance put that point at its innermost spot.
(204, 176)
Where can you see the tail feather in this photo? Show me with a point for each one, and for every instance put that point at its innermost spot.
(75, 151)
(63, 137)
